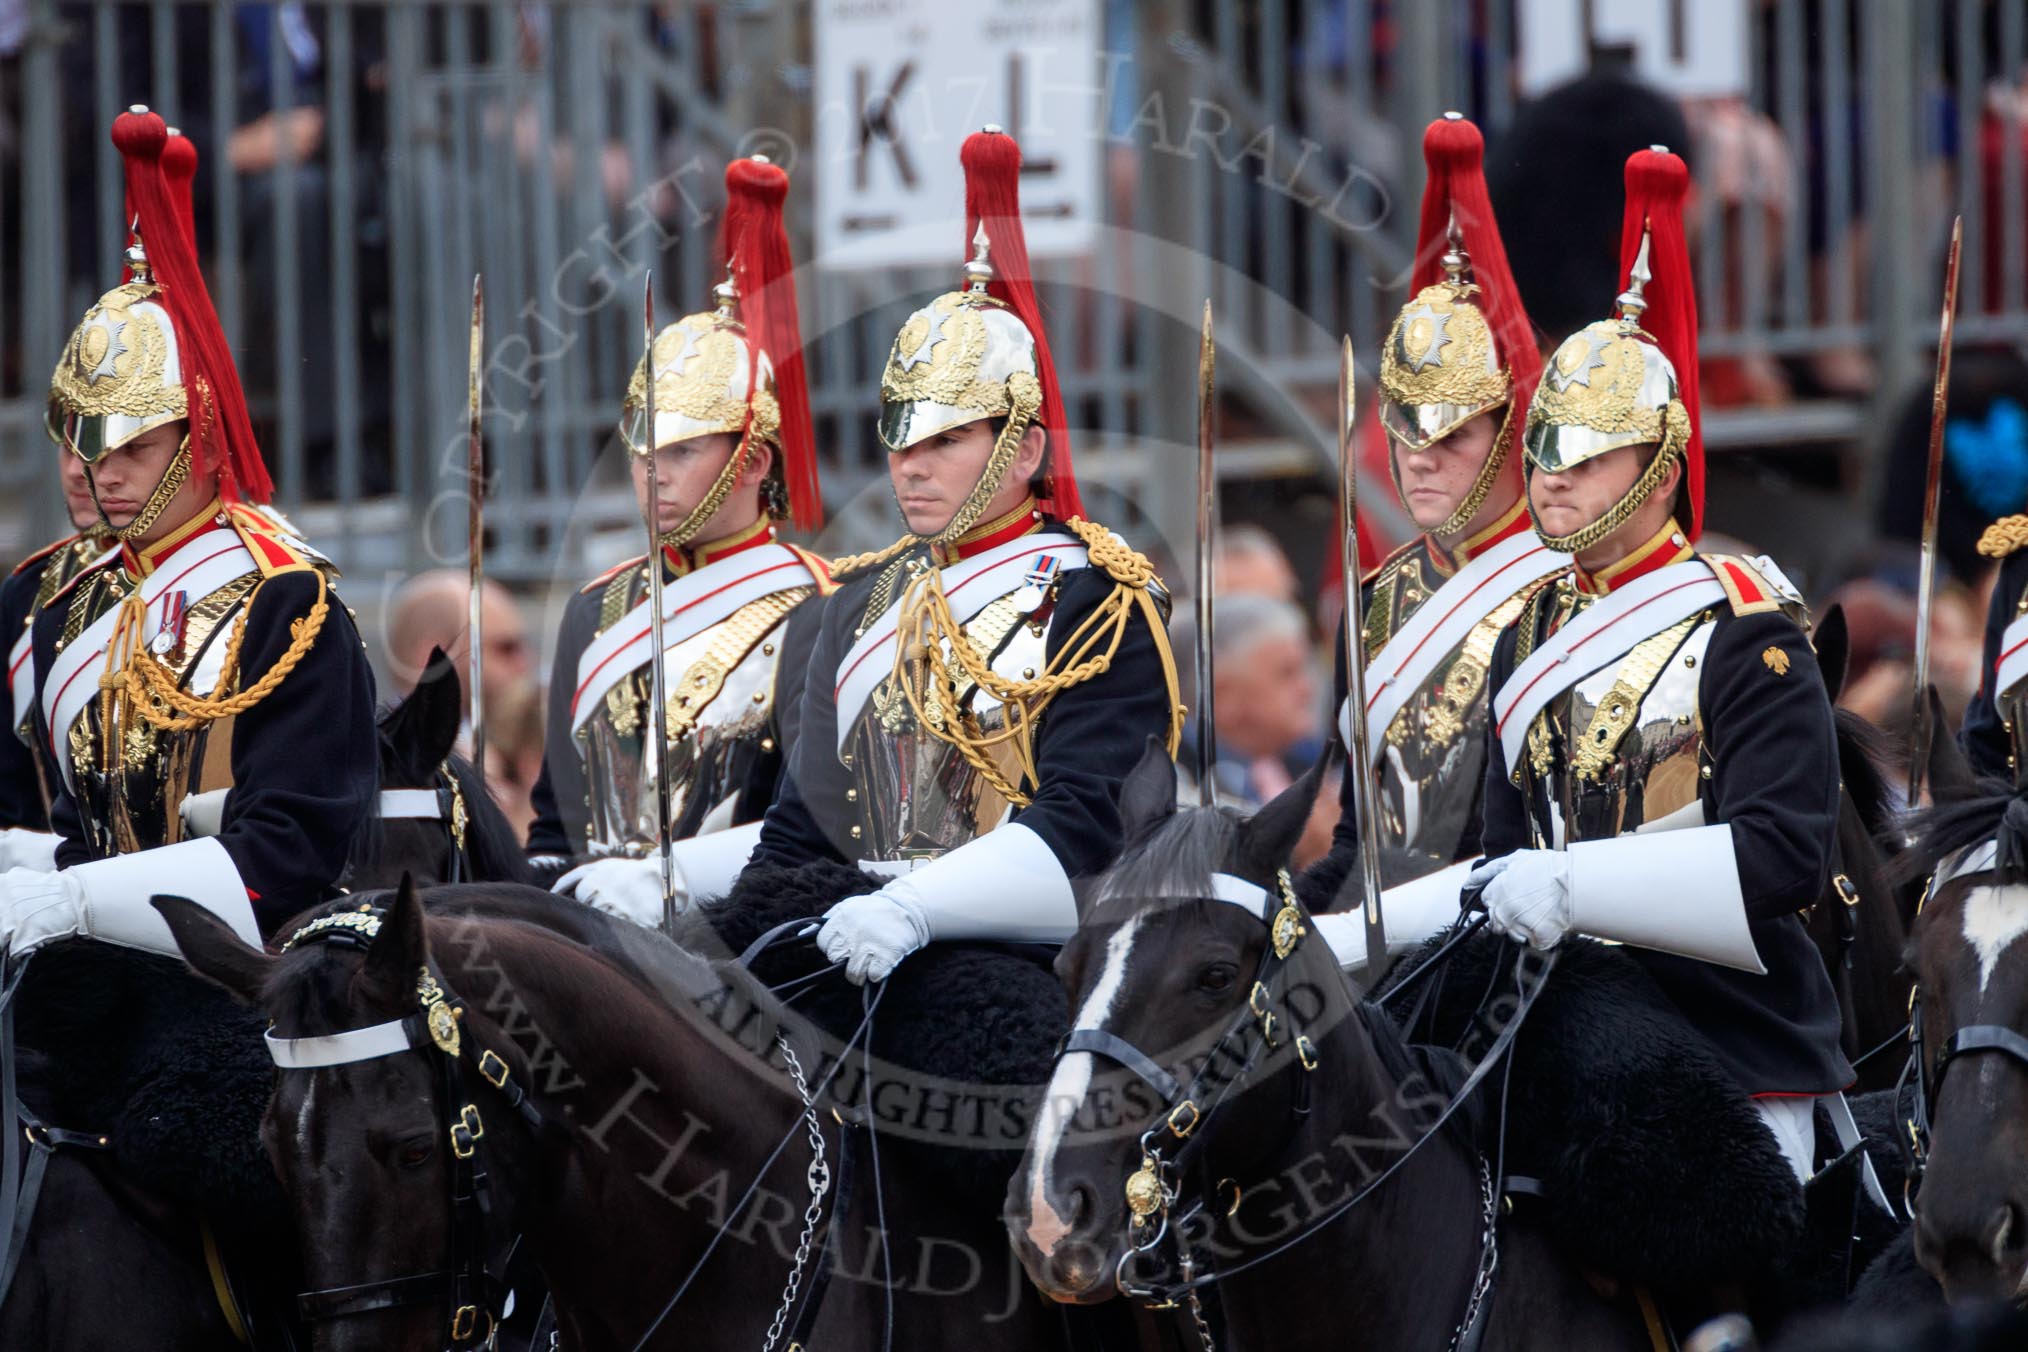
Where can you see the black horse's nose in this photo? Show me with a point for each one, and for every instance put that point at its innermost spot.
(2005, 1237)
(1078, 1204)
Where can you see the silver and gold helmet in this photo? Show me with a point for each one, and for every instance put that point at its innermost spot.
(121, 372)
(1440, 368)
(707, 374)
(1608, 385)
(709, 378)
(963, 357)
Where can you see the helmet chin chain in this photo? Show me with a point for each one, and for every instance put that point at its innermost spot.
(686, 530)
(172, 481)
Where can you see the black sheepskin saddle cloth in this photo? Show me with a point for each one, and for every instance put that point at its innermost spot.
(133, 1046)
(1654, 1164)
(964, 1036)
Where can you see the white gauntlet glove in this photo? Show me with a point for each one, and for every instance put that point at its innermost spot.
(628, 888)
(107, 899)
(706, 868)
(1528, 895)
(23, 848)
(1006, 885)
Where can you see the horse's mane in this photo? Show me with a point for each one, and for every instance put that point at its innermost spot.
(1175, 857)
(1995, 812)
(1862, 750)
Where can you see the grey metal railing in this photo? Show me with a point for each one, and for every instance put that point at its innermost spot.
(564, 149)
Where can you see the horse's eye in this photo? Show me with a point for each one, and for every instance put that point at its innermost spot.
(415, 1152)
(1217, 978)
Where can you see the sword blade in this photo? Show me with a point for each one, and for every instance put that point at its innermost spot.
(1920, 731)
(1207, 530)
(658, 694)
(1366, 780)
(475, 525)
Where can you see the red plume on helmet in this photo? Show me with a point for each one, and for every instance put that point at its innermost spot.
(1657, 184)
(1456, 190)
(755, 241)
(221, 434)
(992, 162)
(179, 166)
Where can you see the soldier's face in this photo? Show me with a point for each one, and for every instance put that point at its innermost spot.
(126, 476)
(77, 491)
(932, 478)
(1437, 478)
(1570, 500)
(684, 472)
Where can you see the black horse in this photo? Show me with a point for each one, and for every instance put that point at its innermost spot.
(104, 1217)
(435, 822)
(658, 1091)
(1969, 1129)
(1298, 1099)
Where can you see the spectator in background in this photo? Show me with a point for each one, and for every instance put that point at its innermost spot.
(1250, 563)
(1264, 697)
(431, 610)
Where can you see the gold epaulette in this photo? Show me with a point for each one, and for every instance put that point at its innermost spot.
(850, 566)
(605, 578)
(1105, 549)
(1392, 560)
(2004, 536)
(39, 555)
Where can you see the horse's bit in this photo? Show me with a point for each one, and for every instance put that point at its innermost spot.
(476, 1277)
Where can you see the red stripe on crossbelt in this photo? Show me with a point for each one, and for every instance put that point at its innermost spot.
(1462, 602)
(687, 605)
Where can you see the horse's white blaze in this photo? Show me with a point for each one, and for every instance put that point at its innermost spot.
(1994, 917)
(305, 1114)
(1046, 1228)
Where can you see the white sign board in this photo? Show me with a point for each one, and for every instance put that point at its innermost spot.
(901, 83)
(1688, 48)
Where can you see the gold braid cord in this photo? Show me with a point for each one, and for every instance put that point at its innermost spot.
(1482, 487)
(930, 679)
(2004, 536)
(152, 690)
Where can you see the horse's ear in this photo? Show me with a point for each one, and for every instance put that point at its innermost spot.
(399, 951)
(1269, 837)
(1950, 774)
(1148, 795)
(427, 721)
(213, 950)
(1833, 642)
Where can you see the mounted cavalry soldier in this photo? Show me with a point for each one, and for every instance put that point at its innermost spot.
(27, 777)
(980, 689)
(1661, 762)
(201, 692)
(1995, 731)
(731, 448)
(1455, 376)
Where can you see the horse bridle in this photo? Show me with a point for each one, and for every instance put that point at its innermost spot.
(1972, 1040)
(444, 803)
(475, 1280)
(1152, 1191)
